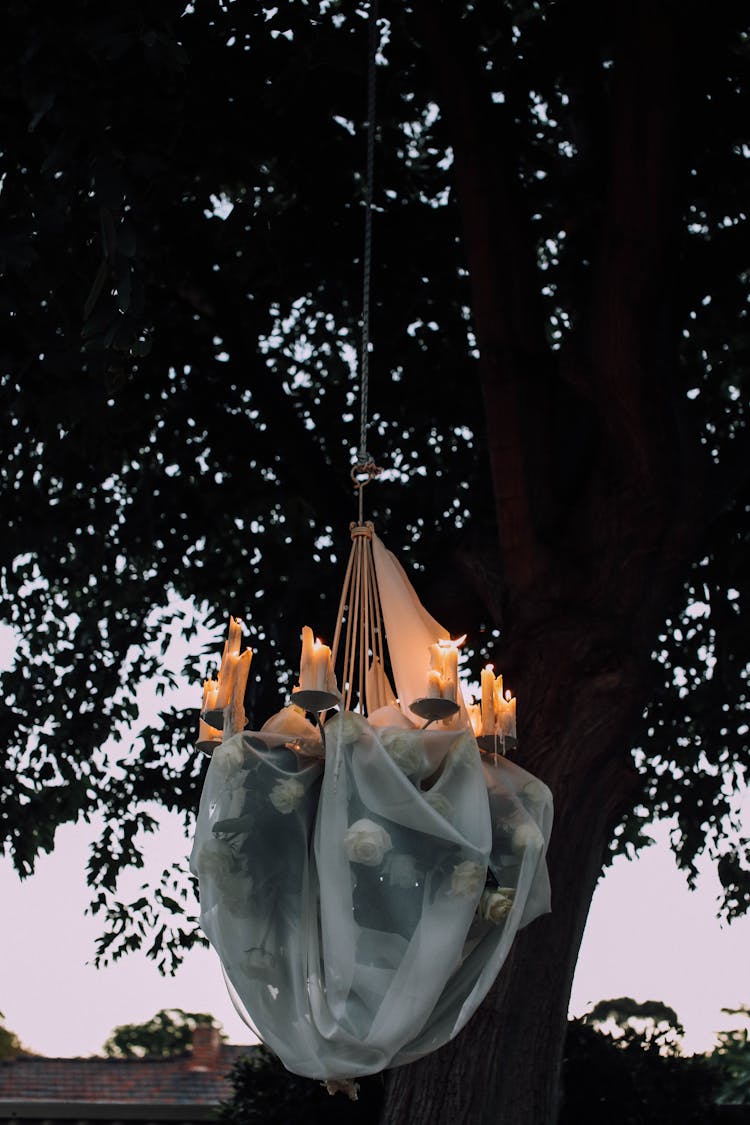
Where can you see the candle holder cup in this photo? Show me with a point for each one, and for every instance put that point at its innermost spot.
(207, 745)
(315, 701)
(214, 718)
(433, 709)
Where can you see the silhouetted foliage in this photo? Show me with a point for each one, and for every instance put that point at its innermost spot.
(265, 1093)
(168, 1033)
(630, 1081)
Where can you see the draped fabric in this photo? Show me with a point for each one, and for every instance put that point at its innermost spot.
(363, 895)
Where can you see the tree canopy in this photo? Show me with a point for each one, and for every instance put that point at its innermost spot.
(11, 1046)
(169, 1032)
(558, 393)
(183, 201)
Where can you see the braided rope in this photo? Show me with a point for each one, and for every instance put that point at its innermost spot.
(364, 389)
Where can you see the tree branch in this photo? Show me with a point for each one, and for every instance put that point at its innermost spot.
(500, 255)
(631, 283)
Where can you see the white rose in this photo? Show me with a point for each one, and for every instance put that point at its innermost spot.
(286, 795)
(440, 804)
(403, 871)
(537, 792)
(237, 899)
(348, 727)
(494, 906)
(467, 879)
(464, 750)
(527, 837)
(366, 842)
(257, 962)
(228, 758)
(406, 752)
(216, 860)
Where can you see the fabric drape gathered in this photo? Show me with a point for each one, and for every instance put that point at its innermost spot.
(363, 896)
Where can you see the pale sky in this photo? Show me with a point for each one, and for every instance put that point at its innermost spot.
(647, 937)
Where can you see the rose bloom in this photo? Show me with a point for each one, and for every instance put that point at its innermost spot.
(440, 804)
(238, 899)
(348, 728)
(228, 757)
(257, 962)
(536, 792)
(464, 750)
(527, 837)
(405, 751)
(286, 795)
(366, 842)
(402, 871)
(216, 860)
(467, 879)
(494, 906)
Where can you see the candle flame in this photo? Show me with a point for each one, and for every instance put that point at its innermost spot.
(452, 643)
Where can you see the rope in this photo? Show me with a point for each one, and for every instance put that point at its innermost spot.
(364, 388)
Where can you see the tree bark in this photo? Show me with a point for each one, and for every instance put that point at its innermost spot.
(587, 586)
(504, 1067)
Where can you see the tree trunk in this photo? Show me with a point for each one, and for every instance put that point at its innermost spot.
(504, 1067)
(593, 486)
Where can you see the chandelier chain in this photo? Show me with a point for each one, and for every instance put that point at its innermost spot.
(367, 256)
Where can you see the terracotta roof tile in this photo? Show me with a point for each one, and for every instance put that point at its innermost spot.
(173, 1081)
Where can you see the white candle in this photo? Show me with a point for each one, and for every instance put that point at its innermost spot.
(434, 685)
(226, 680)
(242, 669)
(210, 691)
(306, 674)
(488, 700)
(322, 670)
(315, 669)
(450, 671)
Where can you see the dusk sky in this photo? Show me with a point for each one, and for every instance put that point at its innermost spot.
(647, 937)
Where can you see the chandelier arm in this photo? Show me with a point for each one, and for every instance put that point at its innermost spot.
(363, 626)
(342, 605)
(372, 632)
(354, 611)
(345, 676)
(370, 649)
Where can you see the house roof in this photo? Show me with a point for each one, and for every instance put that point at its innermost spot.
(186, 1087)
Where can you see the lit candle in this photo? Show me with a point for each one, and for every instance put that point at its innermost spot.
(488, 700)
(322, 667)
(242, 668)
(226, 679)
(444, 664)
(316, 669)
(210, 691)
(306, 660)
(234, 717)
(450, 670)
(434, 685)
(230, 666)
(509, 716)
(475, 718)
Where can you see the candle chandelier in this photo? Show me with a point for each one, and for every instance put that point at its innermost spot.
(367, 856)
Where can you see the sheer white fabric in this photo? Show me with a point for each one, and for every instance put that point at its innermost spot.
(363, 904)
